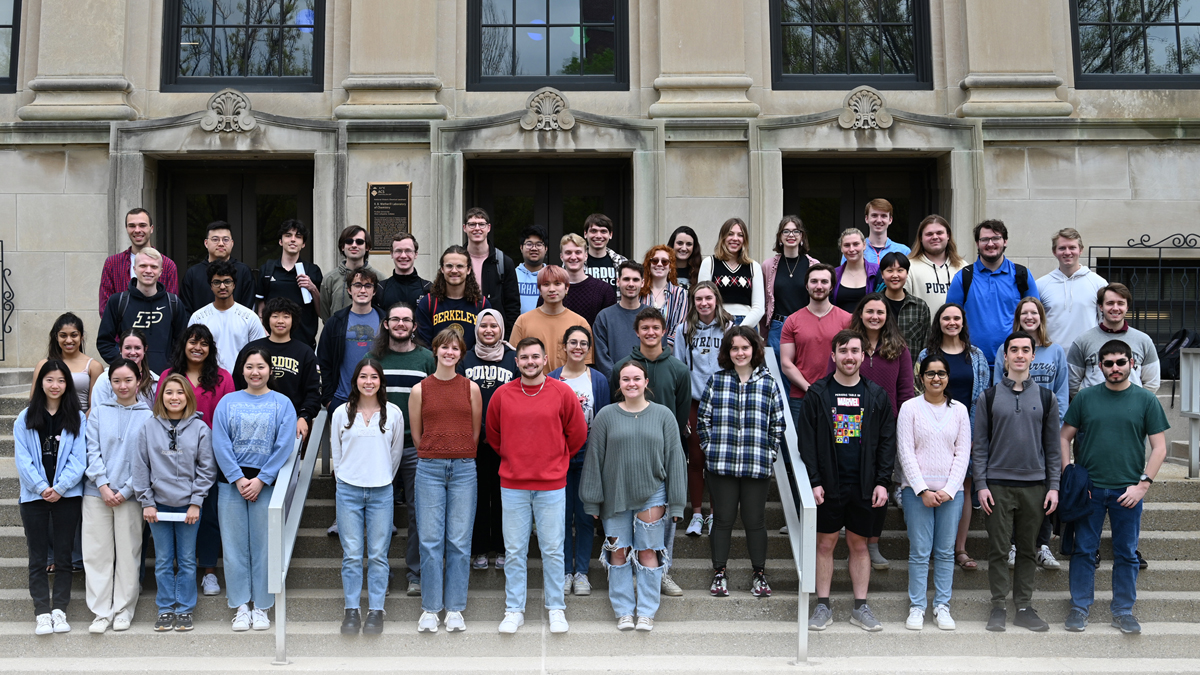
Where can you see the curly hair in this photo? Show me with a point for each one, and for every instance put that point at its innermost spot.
(891, 340)
(471, 292)
(647, 279)
(210, 371)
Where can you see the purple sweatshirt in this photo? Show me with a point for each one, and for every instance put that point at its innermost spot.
(895, 376)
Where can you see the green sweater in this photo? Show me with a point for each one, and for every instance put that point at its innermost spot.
(628, 457)
(670, 384)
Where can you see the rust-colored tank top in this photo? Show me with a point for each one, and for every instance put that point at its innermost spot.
(446, 425)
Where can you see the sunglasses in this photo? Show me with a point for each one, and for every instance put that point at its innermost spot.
(1109, 363)
(171, 436)
(357, 242)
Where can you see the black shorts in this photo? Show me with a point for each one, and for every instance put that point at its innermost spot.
(849, 510)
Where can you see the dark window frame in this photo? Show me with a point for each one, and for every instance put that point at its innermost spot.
(8, 83)
(1126, 80)
(921, 79)
(618, 81)
(171, 81)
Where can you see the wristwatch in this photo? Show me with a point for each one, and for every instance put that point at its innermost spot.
(1146, 478)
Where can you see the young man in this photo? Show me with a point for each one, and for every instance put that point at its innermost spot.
(148, 307)
(613, 330)
(119, 270)
(1083, 357)
(536, 426)
(405, 285)
(289, 278)
(990, 289)
(1116, 419)
(935, 261)
(195, 292)
(878, 217)
(847, 437)
(1069, 292)
(550, 321)
(601, 260)
(293, 363)
(804, 341)
(1015, 465)
(494, 270)
(911, 312)
(355, 248)
(233, 326)
(347, 338)
(454, 301)
(588, 295)
(533, 252)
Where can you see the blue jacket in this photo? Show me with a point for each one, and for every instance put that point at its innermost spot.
(990, 304)
(68, 474)
(1074, 503)
(601, 396)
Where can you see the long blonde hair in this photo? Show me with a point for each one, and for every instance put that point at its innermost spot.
(724, 254)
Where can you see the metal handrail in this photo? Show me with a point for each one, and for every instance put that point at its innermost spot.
(801, 522)
(283, 523)
(1189, 404)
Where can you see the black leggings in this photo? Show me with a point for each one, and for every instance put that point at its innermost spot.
(37, 517)
(727, 493)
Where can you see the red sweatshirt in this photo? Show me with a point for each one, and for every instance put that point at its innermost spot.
(538, 434)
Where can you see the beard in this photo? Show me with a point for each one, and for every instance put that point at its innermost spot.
(988, 259)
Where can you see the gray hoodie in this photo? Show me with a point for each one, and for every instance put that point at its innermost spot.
(112, 431)
(181, 477)
(700, 356)
(1020, 440)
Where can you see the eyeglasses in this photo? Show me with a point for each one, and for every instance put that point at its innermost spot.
(791, 233)
(361, 286)
(222, 282)
(357, 242)
(220, 240)
(936, 374)
(1108, 363)
(405, 251)
(578, 343)
(399, 320)
(534, 244)
(477, 226)
(990, 240)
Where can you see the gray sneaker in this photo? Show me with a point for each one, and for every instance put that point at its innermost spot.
(865, 619)
(821, 618)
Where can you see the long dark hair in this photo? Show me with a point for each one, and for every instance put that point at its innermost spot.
(891, 340)
(935, 334)
(145, 382)
(471, 292)
(210, 371)
(68, 404)
(693, 262)
(68, 319)
(380, 394)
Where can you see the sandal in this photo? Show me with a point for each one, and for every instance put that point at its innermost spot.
(965, 561)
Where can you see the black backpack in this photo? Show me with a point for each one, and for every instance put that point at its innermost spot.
(1168, 356)
(1022, 275)
(123, 303)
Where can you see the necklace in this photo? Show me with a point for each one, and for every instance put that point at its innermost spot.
(536, 392)
(791, 268)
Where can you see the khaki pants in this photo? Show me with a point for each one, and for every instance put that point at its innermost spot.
(112, 548)
(1017, 517)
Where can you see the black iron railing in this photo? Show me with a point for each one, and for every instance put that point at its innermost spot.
(1164, 277)
(6, 304)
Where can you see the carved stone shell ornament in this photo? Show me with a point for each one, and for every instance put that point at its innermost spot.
(228, 110)
(864, 109)
(547, 111)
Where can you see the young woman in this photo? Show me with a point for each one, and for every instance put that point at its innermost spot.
(911, 313)
(174, 469)
(254, 431)
(591, 388)
(1049, 367)
(66, 345)
(886, 360)
(783, 278)
(856, 278)
(738, 278)
(634, 471)
(133, 348)
(660, 288)
(112, 547)
(697, 344)
(686, 245)
(366, 443)
(446, 414)
(741, 426)
(933, 450)
(50, 454)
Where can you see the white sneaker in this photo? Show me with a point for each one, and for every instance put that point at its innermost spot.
(428, 623)
(567, 583)
(259, 620)
(1046, 559)
(783, 530)
(708, 523)
(916, 618)
(512, 621)
(59, 620)
(99, 625)
(582, 585)
(45, 625)
(454, 622)
(668, 587)
(694, 527)
(241, 619)
(645, 624)
(333, 530)
(120, 623)
(209, 585)
(941, 615)
(625, 623)
(1012, 557)
(558, 621)
(499, 562)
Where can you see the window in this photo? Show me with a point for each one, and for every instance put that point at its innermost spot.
(1136, 44)
(254, 45)
(10, 31)
(515, 45)
(841, 44)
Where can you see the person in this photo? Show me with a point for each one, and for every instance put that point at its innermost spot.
(454, 300)
(1110, 425)
(120, 268)
(847, 438)
(551, 319)
(1069, 291)
(492, 267)
(66, 345)
(697, 345)
(533, 258)
(935, 261)
(356, 252)
(911, 312)
(634, 472)
(194, 289)
(740, 423)
(737, 276)
(615, 336)
(51, 454)
(536, 425)
(660, 289)
(294, 370)
(347, 337)
(1083, 358)
(366, 441)
(877, 216)
(253, 435)
(803, 351)
(990, 289)
(1016, 464)
(492, 363)
(587, 296)
(233, 326)
(592, 389)
(173, 471)
(112, 546)
(290, 278)
(686, 245)
(147, 306)
(855, 277)
(602, 261)
(785, 295)
(405, 285)
(133, 348)
(933, 451)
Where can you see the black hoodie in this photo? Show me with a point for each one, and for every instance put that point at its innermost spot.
(401, 288)
(161, 317)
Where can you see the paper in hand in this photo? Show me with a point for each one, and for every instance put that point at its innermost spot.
(304, 293)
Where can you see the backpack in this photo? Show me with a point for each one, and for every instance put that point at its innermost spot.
(123, 303)
(1022, 275)
(990, 395)
(500, 265)
(1168, 356)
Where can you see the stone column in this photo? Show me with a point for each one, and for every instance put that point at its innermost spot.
(1010, 60)
(80, 63)
(393, 54)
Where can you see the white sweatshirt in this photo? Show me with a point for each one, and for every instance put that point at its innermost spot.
(931, 282)
(362, 455)
(1070, 303)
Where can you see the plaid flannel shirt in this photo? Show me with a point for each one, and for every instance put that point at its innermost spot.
(914, 322)
(741, 425)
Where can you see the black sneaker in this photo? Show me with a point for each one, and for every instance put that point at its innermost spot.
(374, 623)
(997, 620)
(1028, 618)
(166, 621)
(1077, 621)
(1142, 564)
(183, 622)
(1097, 558)
(719, 587)
(1127, 623)
(352, 623)
(758, 585)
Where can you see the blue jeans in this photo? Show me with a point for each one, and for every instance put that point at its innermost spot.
(522, 508)
(931, 533)
(774, 333)
(364, 511)
(175, 543)
(581, 528)
(1126, 527)
(446, 491)
(244, 542)
(625, 530)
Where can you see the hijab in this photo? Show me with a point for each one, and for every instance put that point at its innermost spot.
(496, 351)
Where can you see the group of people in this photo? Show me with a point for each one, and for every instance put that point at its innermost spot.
(498, 399)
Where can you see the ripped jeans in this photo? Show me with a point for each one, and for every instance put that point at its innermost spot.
(631, 532)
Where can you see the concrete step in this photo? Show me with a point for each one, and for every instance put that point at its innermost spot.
(14, 402)
(6, 424)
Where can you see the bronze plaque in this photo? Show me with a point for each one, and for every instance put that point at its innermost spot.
(389, 212)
